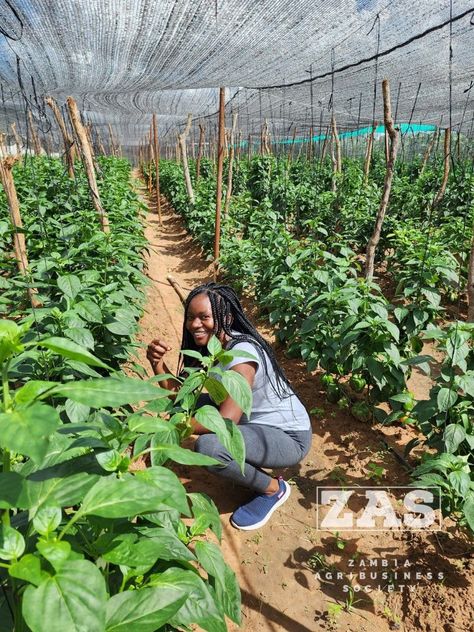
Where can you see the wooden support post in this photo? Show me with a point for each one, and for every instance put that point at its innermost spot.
(428, 151)
(368, 154)
(156, 152)
(325, 146)
(34, 135)
(18, 142)
(111, 141)
(184, 157)
(447, 161)
(309, 151)
(228, 192)
(67, 140)
(394, 137)
(220, 168)
(470, 284)
(100, 143)
(150, 158)
(88, 162)
(19, 242)
(290, 150)
(200, 148)
(387, 146)
(337, 143)
(177, 288)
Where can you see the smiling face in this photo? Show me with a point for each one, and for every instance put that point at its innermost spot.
(199, 320)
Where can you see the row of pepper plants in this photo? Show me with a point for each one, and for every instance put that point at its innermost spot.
(299, 247)
(88, 540)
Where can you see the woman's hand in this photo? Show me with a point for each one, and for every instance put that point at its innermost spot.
(155, 352)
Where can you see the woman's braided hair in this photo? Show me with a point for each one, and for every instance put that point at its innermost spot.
(229, 317)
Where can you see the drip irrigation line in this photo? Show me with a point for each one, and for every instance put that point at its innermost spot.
(366, 60)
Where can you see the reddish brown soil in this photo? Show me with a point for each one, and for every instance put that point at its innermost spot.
(277, 565)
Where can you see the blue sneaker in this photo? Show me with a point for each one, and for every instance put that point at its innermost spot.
(257, 512)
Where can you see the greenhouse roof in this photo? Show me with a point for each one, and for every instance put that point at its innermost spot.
(293, 63)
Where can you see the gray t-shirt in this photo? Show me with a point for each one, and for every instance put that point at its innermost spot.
(268, 408)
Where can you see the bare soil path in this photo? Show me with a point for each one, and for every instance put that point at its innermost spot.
(277, 566)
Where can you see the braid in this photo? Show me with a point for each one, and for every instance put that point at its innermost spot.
(229, 317)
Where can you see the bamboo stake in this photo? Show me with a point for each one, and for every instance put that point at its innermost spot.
(88, 162)
(184, 157)
(220, 167)
(156, 153)
(447, 160)
(394, 137)
(228, 192)
(18, 142)
(34, 136)
(368, 154)
(199, 156)
(67, 140)
(19, 242)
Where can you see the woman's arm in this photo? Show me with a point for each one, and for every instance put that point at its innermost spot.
(229, 409)
(155, 352)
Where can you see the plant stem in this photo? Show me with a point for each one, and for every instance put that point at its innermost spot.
(67, 526)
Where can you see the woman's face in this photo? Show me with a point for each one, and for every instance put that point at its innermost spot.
(199, 320)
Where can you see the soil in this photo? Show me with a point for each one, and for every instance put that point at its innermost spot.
(293, 576)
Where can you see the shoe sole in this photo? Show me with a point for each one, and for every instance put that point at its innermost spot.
(259, 524)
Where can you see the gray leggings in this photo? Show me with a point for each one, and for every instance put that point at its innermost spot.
(265, 446)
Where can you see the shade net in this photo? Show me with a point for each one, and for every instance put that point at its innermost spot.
(294, 64)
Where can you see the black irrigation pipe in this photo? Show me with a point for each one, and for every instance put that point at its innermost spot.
(372, 57)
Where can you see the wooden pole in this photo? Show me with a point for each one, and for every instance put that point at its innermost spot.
(447, 161)
(156, 153)
(325, 146)
(150, 157)
(387, 146)
(337, 143)
(67, 140)
(88, 162)
(368, 154)
(100, 143)
(290, 149)
(394, 137)
(428, 151)
(111, 141)
(470, 284)
(18, 142)
(19, 242)
(176, 287)
(199, 156)
(228, 192)
(34, 135)
(220, 168)
(184, 157)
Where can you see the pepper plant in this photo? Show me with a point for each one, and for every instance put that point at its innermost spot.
(87, 541)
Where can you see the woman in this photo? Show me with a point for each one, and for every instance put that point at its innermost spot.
(277, 433)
